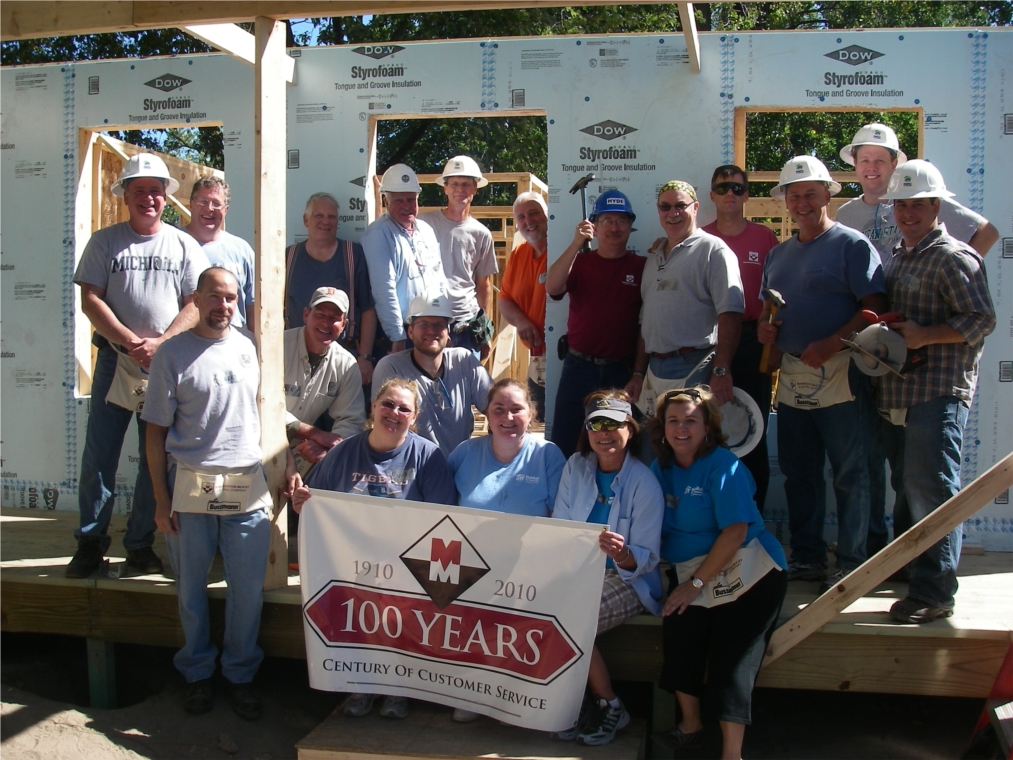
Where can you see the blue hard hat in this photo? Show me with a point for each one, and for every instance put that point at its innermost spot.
(612, 200)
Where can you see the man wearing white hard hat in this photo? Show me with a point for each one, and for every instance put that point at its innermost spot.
(875, 153)
(939, 285)
(402, 253)
(469, 258)
(321, 376)
(137, 281)
(826, 274)
(450, 380)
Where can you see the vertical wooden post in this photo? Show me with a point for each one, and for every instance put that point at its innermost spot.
(102, 673)
(269, 243)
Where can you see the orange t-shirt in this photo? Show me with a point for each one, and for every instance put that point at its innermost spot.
(524, 283)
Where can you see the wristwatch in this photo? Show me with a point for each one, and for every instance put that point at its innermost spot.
(697, 583)
(367, 357)
(719, 371)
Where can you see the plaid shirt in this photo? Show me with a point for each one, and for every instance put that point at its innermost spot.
(940, 280)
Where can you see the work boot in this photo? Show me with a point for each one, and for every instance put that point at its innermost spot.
(87, 559)
(144, 561)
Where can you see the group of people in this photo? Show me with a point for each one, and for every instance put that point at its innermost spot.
(399, 324)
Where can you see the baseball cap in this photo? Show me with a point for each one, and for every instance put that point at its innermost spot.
(330, 295)
(610, 408)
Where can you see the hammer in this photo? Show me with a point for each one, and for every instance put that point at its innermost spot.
(581, 184)
(776, 302)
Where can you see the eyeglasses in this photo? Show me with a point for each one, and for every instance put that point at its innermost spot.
(434, 326)
(390, 406)
(722, 188)
(620, 222)
(679, 208)
(598, 424)
(206, 204)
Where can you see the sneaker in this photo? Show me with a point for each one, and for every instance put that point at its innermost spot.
(144, 561)
(910, 610)
(87, 559)
(464, 716)
(587, 708)
(803, 571)
(358, 705)
(394, 707)
(198, 697)
(833, 579)
(245, 703)
(603, 730)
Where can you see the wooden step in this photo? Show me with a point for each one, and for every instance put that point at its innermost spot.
(428, 731)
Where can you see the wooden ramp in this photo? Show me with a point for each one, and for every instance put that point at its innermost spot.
(859, 649)
(428, 731)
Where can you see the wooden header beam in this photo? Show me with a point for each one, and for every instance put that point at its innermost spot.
(28, 19)
(235, 41)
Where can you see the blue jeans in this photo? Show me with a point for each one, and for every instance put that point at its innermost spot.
(680, 365)
(107, 425)
(886, 444)
(931, 448)
(244, 541)
(805, 438)
(579, 378)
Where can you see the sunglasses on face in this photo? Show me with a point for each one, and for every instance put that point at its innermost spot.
(722, 188)
(598, 424)
(679, 208)
(390, 406)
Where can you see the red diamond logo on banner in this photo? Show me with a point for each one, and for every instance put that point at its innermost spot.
(444, 562)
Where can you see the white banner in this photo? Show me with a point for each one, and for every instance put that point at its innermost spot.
(486, 611)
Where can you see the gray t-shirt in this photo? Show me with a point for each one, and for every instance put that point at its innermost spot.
(234, 253)
(205, 392)
(145, 277)
(684, 293)
(877, 223)
(468, 253)
(445, 417)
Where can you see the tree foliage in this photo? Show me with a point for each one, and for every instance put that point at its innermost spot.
(520, 143)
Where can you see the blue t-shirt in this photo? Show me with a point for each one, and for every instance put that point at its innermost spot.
(234, 253)
(415, 470)
(823, 282)
(524, 486)
(704, 499)
(603, 504)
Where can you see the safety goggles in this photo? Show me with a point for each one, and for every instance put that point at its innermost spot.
(598, 424)
(722, 188)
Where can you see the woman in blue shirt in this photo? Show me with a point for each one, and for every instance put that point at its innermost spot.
(605, 483)
(387, 461)
(509, 470)
(728, 579)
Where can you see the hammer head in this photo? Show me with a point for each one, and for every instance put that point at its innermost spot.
(775, 298)
(582, 183)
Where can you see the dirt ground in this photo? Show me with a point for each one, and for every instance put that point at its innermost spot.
(44, 714)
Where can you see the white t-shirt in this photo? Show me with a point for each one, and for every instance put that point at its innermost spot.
(877, 223)
(205, 392)
(468, 253)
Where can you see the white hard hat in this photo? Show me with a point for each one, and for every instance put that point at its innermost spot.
(462, 166)
(424, 305)
(144, 165)
(916, 179)
(873, 134)
(400, 178)
(804, 169)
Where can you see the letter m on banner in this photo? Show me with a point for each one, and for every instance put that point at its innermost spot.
(445, 561)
